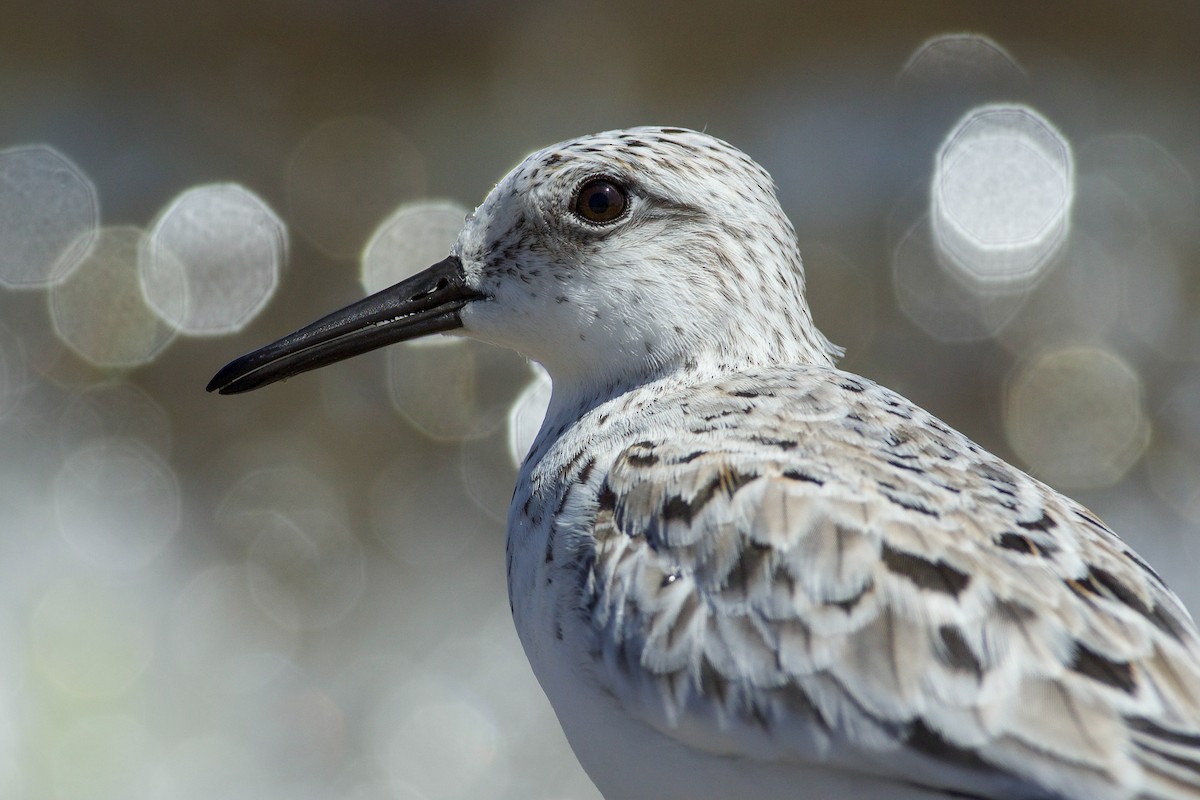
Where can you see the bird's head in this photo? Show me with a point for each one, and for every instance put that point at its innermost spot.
(610, 259)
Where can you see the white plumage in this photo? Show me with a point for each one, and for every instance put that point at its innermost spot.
(740, 572)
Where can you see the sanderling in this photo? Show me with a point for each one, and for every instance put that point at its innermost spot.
(740, 572)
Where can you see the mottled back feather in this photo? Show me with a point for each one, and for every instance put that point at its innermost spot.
(810, 567)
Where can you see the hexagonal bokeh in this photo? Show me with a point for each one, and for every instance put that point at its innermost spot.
(213, 259)
(98, 307)
(1002, 189)
(49, 216)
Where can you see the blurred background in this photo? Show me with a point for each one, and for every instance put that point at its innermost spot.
(299, 593)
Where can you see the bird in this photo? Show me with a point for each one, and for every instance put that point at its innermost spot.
(739, 571)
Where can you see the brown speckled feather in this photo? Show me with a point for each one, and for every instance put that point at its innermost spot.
(802, 554)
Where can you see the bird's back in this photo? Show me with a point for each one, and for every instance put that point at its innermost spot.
(795, 566)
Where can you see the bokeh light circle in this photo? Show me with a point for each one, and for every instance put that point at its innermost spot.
(1002, 190)
(117, 503)
(527, 412)
(1076, 416)
(49, 216)
(960, 58)
(98, 307)
(213, 259)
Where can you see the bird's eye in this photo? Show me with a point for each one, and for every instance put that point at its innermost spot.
(600, 201)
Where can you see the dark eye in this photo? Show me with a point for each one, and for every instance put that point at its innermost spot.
(600, 201)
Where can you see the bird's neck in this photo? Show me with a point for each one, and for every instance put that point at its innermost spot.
(579, 388)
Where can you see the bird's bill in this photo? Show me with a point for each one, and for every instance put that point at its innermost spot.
(428, 302)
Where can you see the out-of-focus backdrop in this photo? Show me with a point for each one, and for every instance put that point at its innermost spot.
(299, 593)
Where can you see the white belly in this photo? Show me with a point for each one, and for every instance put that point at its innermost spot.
(628, 760)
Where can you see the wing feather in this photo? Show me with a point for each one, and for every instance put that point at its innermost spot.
(856, 583)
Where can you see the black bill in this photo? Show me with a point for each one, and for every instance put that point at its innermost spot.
(428, 302)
